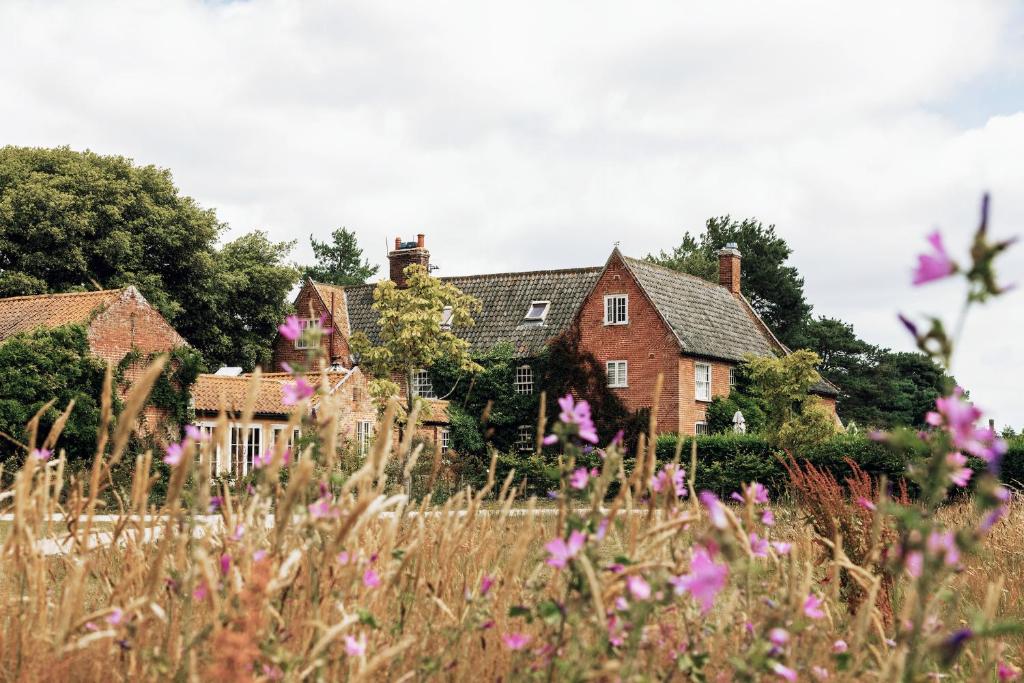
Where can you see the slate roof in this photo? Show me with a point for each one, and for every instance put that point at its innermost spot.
(26, 313)
(504, 299)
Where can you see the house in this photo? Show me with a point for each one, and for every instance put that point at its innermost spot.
(118, 322)
(244, 439)
(638, 319)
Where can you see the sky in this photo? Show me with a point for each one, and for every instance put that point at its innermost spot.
(534, 135)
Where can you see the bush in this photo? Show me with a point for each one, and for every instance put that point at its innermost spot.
(1013, 463)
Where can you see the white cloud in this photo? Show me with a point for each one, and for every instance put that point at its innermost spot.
(537, 134)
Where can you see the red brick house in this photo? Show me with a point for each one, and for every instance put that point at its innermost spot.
(636, 318)
(118, 322)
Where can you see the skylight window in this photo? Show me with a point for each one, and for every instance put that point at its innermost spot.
(537, 311)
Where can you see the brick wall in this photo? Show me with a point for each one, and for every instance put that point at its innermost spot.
(645, 342)
(309, 304)
(691, 410)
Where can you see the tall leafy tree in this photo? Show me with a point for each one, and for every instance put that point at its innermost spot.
(340, 261)
(76, 220)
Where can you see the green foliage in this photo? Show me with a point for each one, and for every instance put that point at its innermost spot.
(52, 364)
(814, 424)
(340, 261)
(722, 408)
(73, 220)
(781, 385)
(1013, 463)
(411, 334)
(172, 390)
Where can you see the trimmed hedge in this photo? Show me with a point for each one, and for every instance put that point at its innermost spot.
(1013, 463)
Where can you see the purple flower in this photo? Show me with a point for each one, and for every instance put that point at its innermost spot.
(960, 474)
(768, 517)
(943, 544)
(579, 478)
(705, 580)
(175, 452)
(225, 563)
(638, 588)
(783, 671)
(865, 503)
(716, 511)
(959, 417)
(193, 433)
(215, 503)
(778, 636)
(812, 606)
(781, 547)
(914, 563)
(371, 579)
(355, 648)
(757, 493)
(758, 545)
(936, 265)
(515, 641)
(291, 329)
(41, 454)
(323, 509)
(485, 585)
(579, 415)
(293, 392)
(1005, 672)
(115, 617)
(560, 551)
(839, 647)
(670, 474)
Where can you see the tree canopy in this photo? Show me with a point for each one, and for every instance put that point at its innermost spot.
(74, 220)
(340, 261)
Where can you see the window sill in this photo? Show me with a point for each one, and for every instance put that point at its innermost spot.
(618, 386)
(620, 324)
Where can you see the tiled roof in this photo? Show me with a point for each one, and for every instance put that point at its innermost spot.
(26, 313)
(505, 298)
(705, 317)
(211, 391)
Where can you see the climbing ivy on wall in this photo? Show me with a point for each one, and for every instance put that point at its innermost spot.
(172, 389)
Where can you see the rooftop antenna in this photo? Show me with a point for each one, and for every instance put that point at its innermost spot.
(616, 244)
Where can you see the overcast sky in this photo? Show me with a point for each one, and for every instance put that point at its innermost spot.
(536, 135)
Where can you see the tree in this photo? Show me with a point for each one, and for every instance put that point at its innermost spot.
(340, 262)
(782, 386)
(774, 289)
(51, 364)
(412, 336)
(77, 220)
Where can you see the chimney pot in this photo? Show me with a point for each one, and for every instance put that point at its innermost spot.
(405, 255)
(729, 268)
(420, 240)
(398, 243)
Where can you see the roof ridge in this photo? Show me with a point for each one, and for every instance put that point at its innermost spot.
(552, 271)
(672, 271)
(63, 294)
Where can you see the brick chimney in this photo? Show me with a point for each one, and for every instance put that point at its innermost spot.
(729, 268)
(406, 254)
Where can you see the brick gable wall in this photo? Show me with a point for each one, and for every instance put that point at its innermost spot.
(309, 304)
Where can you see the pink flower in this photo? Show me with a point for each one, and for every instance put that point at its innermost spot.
(936, 265)
(115, 617)
(371, 579)
(638, 588)
(293, 392)
(716, 511)
(960, 474)
(820, 673)
(291, 329)
(259, 555)
(705, 580)
(757, 493)
(225, 563)
(175, 452)
(193, 433)
(561, 551)
(579, 478)
(355, 648)
(201, 591)
(485, 585)
(783, 671)
(670, 474)
(781, 547)
(579, 415)
(1007, 672)
(323, 509)
(865, 503)
(238, 533)
(812, 606)
(768, 517)
(515, 641)
(839, 647)
(914, 563)
(758, 545)
(778, 636)
(959, 417)
(41, 454)
(944, 545)
(343, 557)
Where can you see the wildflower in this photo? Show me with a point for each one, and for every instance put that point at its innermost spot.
(866, 504)
(758, 545)
(602, 529)
(259, 555)
(291, 329)
(215, 503)
(781, 547)
(812, 606)
(820, 673)
(778, 636)
(579, 478)
(91, 626)
(783, 671)
(293, 392)
(839, 647)
(322, 508)
(959, 417)
(41, 454)
(621, 604)
(485, 585)
(371, 579)
(194, 433)
(115, 617)
(768, 517)
(936, 265)
(670, 474)
(638, 588)
(716, 511)
(992, 518)
(175, 452)
(914, 563)
(273, 673)
(238, 533)
(343, 557)
(561, 551)
(225, 563)
(575, 414)
(756, 492)
(355, 648)
(944, 545)
(960, 474)
(515, 641)
(951, 647)
(705, 580)
(1005, 672)
(201, 591)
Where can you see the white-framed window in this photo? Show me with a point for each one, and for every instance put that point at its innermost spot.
(364, 436)
(206, 428)
(616, 309)
(422, 385)
(618, 373)
(445, 439)
(242, 455)
(538, 311)
(701, 429)
(702, 381)
(524, 379)
(279, 430)
(732, 377)
(446, 318)
(305, 341)
(524, 438)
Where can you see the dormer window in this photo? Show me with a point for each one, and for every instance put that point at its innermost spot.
(305, 339)
(446, 318)
(537, 311)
